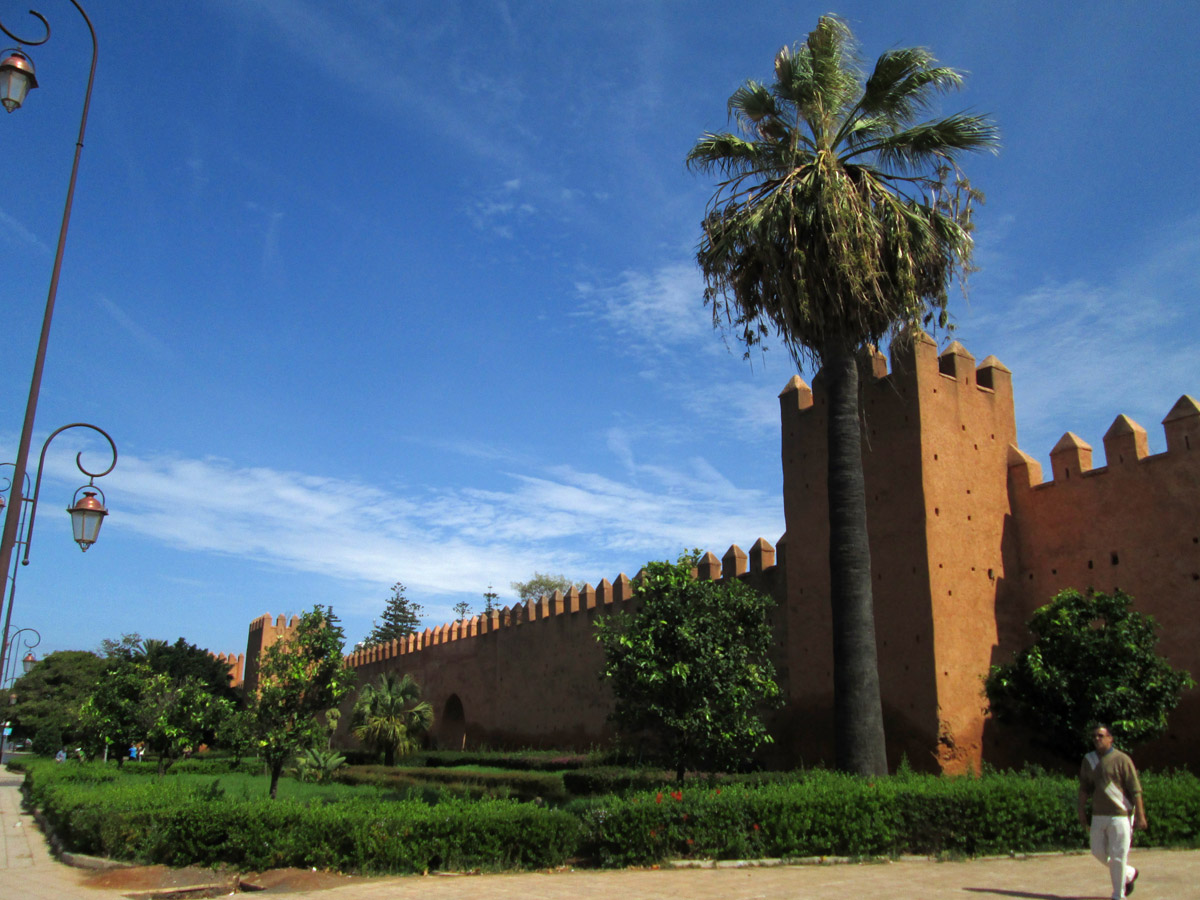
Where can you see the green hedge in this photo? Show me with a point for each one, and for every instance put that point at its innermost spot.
(595, 780)
(516, 784)
(96, 811)
(181, 821)
(829, 814)
(517, 760)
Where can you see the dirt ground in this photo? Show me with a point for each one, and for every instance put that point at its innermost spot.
(162, 881)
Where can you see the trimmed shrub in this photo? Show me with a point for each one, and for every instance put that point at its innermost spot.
(174, 823)
(202, 821)
(461, 781)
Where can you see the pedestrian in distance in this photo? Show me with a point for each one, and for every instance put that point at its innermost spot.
(1109, 779)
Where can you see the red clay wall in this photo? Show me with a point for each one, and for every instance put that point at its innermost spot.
(936, 433)
(528, 676)
(1133, 524)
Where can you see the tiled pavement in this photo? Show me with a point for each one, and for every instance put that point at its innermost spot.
(27, 870)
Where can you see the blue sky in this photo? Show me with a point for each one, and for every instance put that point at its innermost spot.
(404, 291)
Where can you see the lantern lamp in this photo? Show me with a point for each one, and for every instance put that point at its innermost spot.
(16, 79)
(86, 517)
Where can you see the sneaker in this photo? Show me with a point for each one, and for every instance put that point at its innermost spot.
(1131, 882)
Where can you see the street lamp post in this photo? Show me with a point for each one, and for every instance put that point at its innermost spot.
(87, 514)
(16, 79)
(32, 637)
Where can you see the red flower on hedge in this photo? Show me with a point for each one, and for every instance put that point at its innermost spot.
(755, 826)
(677, 795)
(658, 799)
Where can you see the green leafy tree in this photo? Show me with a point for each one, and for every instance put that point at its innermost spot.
(183, 660)
(542, 585)
(300, 678)
(1092, 659)
(127, 646)
(401, 617)
(49, 698)
(490, 600)
(690, 669)
(235, 733)
(179, 714)
(390, 716)
(840, 218)
(462, 609)
(117, 714)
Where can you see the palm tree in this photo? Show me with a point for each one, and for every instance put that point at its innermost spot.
(839, 219)
(390, 715)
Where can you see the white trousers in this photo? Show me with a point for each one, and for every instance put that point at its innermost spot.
(1111, 836)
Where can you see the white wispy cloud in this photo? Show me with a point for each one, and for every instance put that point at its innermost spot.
(141, 336)
(16, 233)
(447, 541)
(653, 311)
(1085, 350)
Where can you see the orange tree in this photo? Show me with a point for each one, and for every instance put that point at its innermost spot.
(689, 670)
(1092, 660)
(301, 678)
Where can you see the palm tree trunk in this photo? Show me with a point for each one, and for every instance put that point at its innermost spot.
(858, 710)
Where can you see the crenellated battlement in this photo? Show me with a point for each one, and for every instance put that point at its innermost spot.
(235, 663)
(1126, 446)
(607, 596)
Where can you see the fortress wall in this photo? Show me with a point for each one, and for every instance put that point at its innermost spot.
(1132, 524)
(528, 675)
(892, 469)
(935, 439)
(235, 664)
(264, 631)
(966, 541)
(967, 426)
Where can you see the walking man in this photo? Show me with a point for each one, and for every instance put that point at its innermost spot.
(1110, 779)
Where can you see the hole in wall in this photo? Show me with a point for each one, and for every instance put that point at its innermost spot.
(991, 575)
(1054, 571)
(1115, 559)
(1090, 566)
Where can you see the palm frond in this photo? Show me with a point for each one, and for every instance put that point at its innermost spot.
(724, 153)
(925, 145)
(750, 104)
(905, 82)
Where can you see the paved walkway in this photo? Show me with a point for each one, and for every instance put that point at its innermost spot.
(29, 872)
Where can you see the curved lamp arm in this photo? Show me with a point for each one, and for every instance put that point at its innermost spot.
(26, 41)
(92, 476)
